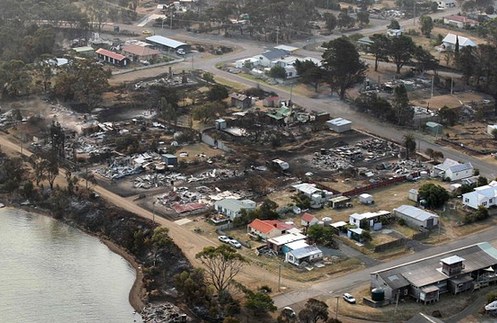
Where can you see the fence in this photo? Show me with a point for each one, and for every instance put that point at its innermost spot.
(214, 142)
(389, 245)
(384, 183)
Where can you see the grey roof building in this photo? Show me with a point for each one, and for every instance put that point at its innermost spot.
(273, 54)
(426, 279)
(166, 43)
(416, 217)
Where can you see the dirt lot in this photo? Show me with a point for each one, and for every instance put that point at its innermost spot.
(472, 134)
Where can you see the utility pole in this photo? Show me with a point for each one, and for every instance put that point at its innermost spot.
(432, 85)
(277, 34)
(414, 12)
(171, 19)
(279, 278)
(336, 313)
(451, 85)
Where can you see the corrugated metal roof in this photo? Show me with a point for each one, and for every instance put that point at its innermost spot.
(415, 213)
(305, 252)
(428, 271)
(165, 41)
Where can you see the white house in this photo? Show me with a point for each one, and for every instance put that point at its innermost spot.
(416, 217)
(318, 197)
(233, 207)
(449, 42)
(452, 170)
(482, 196)
(308, 254)
(369, 219)
(444, 4)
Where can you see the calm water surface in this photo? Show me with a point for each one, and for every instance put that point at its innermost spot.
(50, 272)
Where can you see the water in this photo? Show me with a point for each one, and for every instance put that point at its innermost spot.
(51, 272)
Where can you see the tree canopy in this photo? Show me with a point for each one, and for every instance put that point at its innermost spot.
(343, 65)
(434, 195)
(222, 264)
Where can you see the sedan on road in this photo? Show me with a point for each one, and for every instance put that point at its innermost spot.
(348, 298)
(234, 243)
(224, 239)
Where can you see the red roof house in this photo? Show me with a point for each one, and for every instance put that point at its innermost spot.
(112, 57)
(266, 229)
(137, 52)
(308, 219)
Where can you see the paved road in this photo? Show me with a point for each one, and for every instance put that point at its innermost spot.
(346, 282)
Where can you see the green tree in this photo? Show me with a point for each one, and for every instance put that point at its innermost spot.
(425, 61)
(259, 303)
(482, 180)
(401, 51)
(222, 264)
(322, 235)
(448, 116)
(434, 195)
(309, 73)
(426, 25)
(268, 210)
(15, 78)
(363, 18)
(344, 20)
(83, 80)
(394, 24)
(481, 214)
(409, 145)
(192, 287)
(400, 104)
(343, 65)
(217, 93)
(314, 311)
(277, 72)
(208, 111)
(379, 48)
(330, 21)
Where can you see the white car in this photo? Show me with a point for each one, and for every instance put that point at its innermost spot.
(224, 239)
(234, 243)
(348, 298)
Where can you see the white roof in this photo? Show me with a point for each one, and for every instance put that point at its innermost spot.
(165, 41)
(365, 196)
(287, 48)
(356, 230)
(306, 188)
(463, 41)
(452, 260)
(339, 224)
(339, 122)
(305, 252)
(286, 238)
(368, 215)
(415, 213)
(447, 163)
(297, 244)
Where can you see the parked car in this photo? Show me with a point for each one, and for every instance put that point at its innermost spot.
(181, 51)
(348, 298)
(288, 312)
(224, 239)
(147, 32)
(234, 243)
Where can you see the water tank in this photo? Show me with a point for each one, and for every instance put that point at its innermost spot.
(378, 295)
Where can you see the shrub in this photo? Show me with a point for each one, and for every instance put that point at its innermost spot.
(492, 296)
(402, 222)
